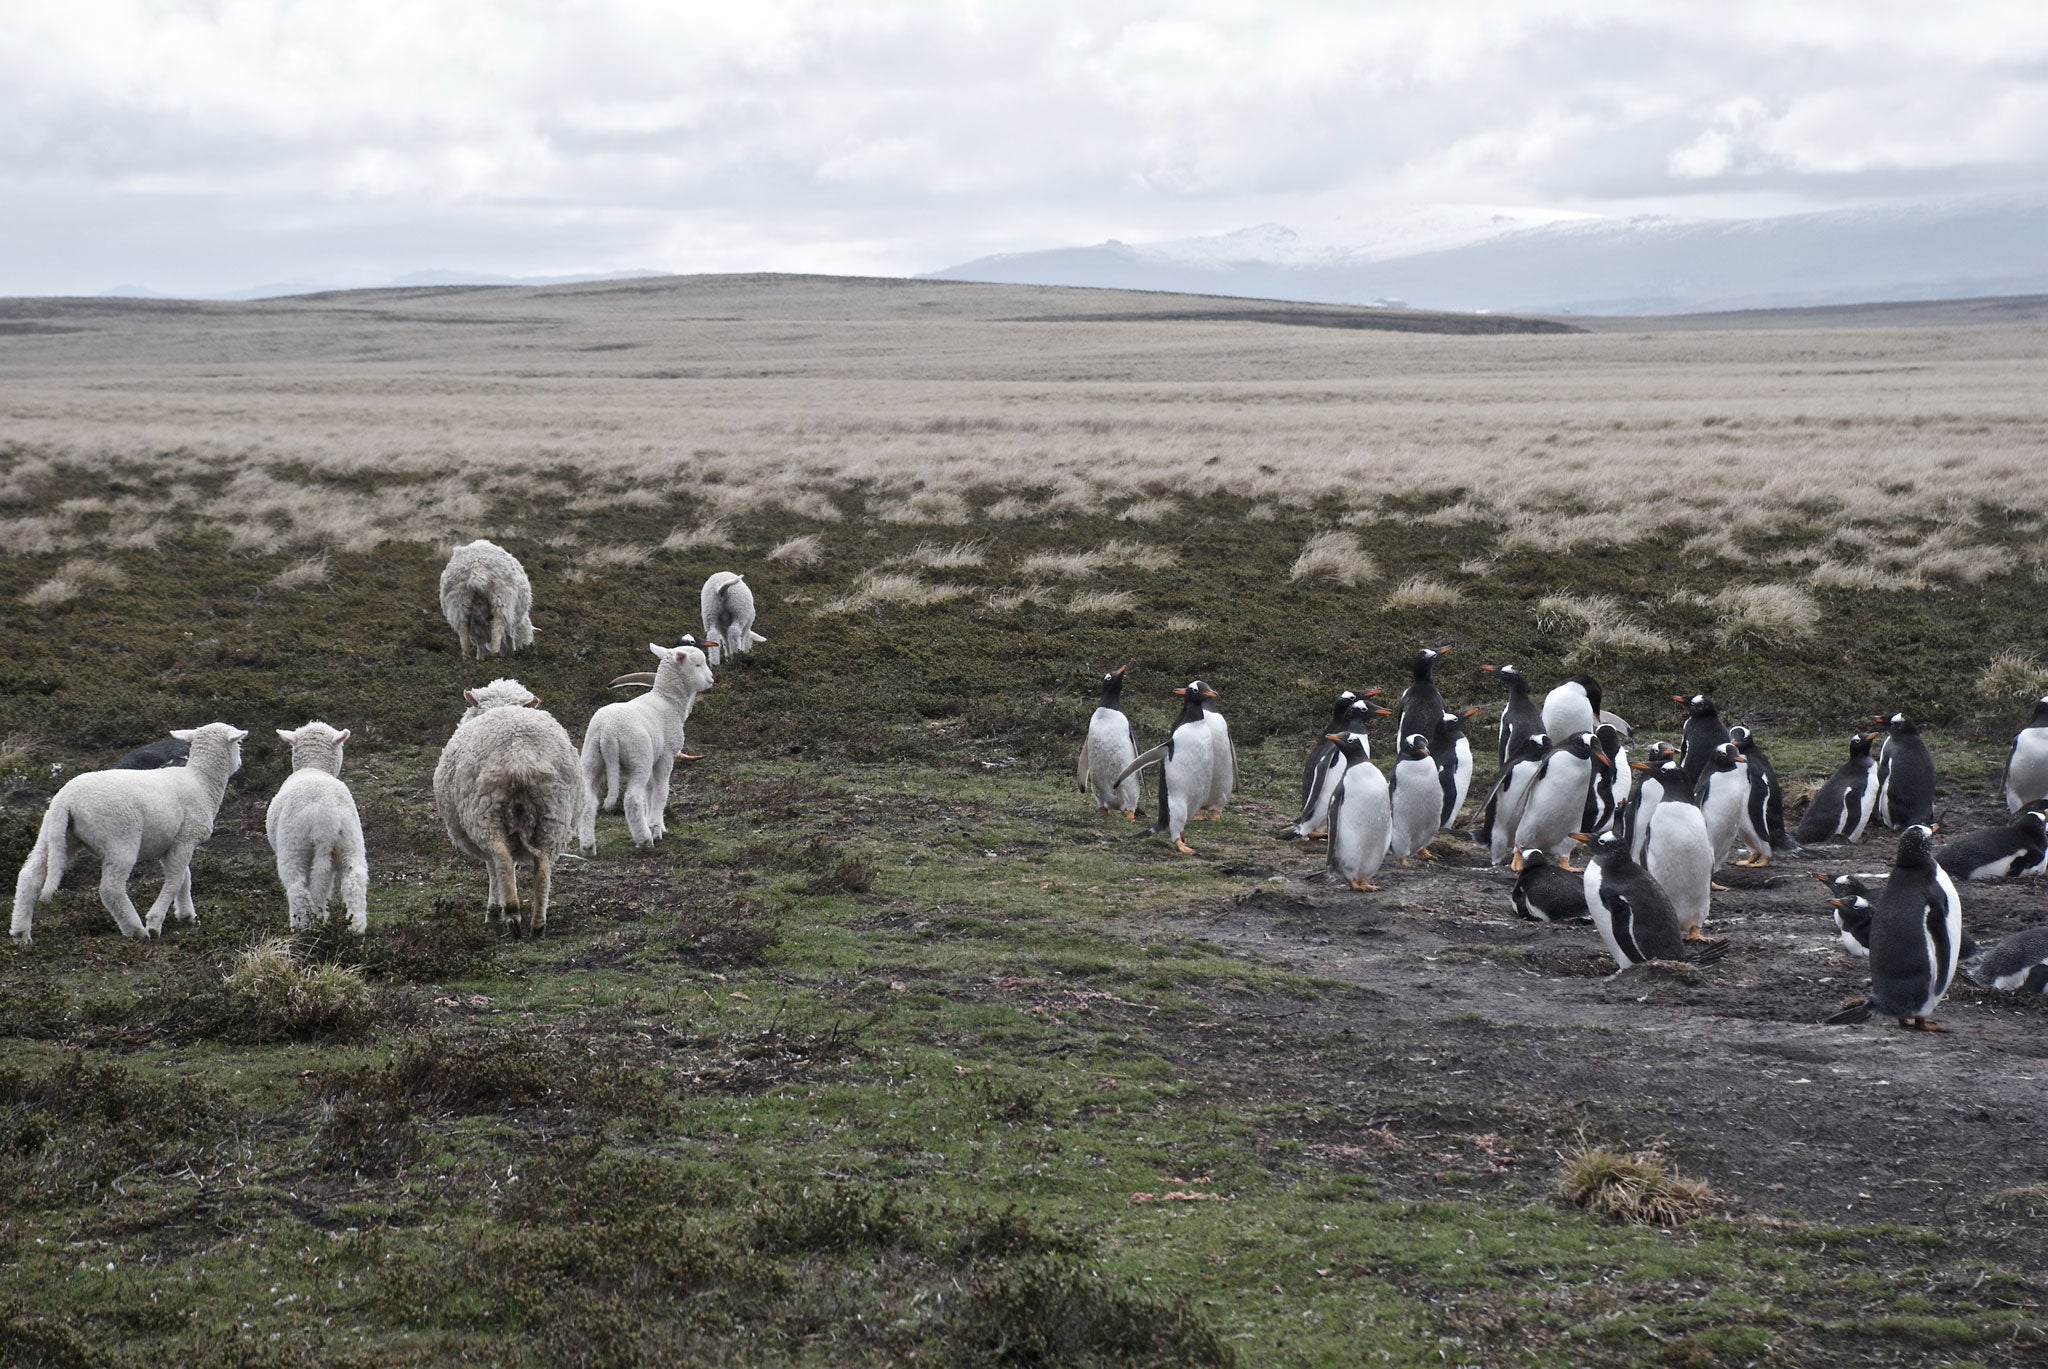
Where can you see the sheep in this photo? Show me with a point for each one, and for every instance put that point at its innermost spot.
(643, 738)
(508, 789)
(316, 832)
(487, 599)
(728, 608)
(124, 816)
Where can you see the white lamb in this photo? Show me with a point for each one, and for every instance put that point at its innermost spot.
(124, 816)
(487, 599)
(508, 792)
(728, 607)
(316, 832)
(634, 745)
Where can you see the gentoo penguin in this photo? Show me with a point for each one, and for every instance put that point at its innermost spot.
(1914, 934)
(1545, 893)
(1704, 731)
(1510, 793)
(1612, 779)
(1572, 707)
(1852, 901)
(2018, 848)
(2018, 962)
(1722, 792)
(1222, 762)
(1844, 804)
(1632, 912)
(1361, 819)
(1109, 748)
(1905, 775)
(1647, 796)
(1315, 807)
(727, 607)
(1521, 718)
(1415, 794)
(158, 755)
(1421, 705)
(1766, 799)
(1677, 851)
(1451, 749)
(1320, 752)
(1557, 798)
(1185, 765)
(2026, 765)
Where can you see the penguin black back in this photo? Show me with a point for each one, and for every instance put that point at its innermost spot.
(1905, 774)
(1913, 933)
(1522, 718)
(1704, 731)
(1422, 707)
(1827, 815)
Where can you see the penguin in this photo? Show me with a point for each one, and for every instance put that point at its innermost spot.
(1612, 780)
(1766, 799)
(1632, 911)
(1914, 934)
(1222, 763)
(1315, 807)
(2026, 765)
(1722, 793)
(1852, 903)
(1521, 718)
(1185, 765)
(1647, 796)
(1677, 851)
(1557, 798)
(1545, 893)
(2020, 961)
(1504, 802)
(1415, 795)
(1572, 707)
(1704, 731)
(1421, 705)
(1320, 753)
(1361, 820)
(1451, 749)
(1109, 748)
(1905, 775)
(2018, 848)
(1844, 804)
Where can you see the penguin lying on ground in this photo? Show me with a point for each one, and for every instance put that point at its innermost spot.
(158, 755)
(1545, 893)
(1416, 795)
(2026, 765)
(2018, 848)
(1521, 718)
(1185, 765)
(1632, 911)
(1766, 799)
(1905, 775)
(1704, 731)
(1845, 803)
(2018, 962)
(1361, 820)
(1110, 745)
(1504, 802)
(1915, 938)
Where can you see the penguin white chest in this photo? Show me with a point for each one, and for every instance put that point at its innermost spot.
(1603, 917)
(2026, 775)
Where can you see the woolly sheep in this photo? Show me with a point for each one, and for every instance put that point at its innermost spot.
(728, 608)
(316, 832)
(641, 739)
(125, 816)
(487, 599)
(508, 790)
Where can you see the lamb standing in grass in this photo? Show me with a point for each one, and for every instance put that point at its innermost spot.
(728, 608)
(508, 790)
(487, 599)
(124, 816)
(316, 832)
(638, 741)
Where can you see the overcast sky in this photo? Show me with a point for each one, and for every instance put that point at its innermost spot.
(201, 147)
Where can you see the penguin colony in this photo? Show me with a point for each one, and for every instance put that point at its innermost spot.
(1564, 780)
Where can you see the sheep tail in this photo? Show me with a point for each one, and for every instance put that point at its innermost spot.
(320, 877)
(53, 844)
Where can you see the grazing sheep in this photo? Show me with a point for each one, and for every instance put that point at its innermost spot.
(486, 598)
(642, 738)
(124, 816)
(316, 832)
(728, 607)
(508, 790)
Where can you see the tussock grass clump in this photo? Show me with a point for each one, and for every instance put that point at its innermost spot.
(1079, 565)
(1011, 508)
(74, 578)
(1148, 511)
(368, 1135)
(1603, 628)
(1539, 532)
(1765, 616)
(614, 558)
(1010, 600)
(836, 870)
(876, 588)
(496, 1071)
(1421, 591)
(947, 556)
(1334, 555)
(712, 534)
(2013, 675)
(1102, 601)
(1636, 1187)
(926, 506)
(311, 571)
(1052, 1312)
(2031, 1200)
(1181, 622)
(1854, 576)
(279, 995)
(802, 551)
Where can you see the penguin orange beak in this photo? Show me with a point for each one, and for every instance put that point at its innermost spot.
(1837, 903)
(1333, 736)
(1639, 765)
(1879, 718)
(1581, 836)
(1182, 693)
(1443, 651)
(1468, 712)
(1120, 670)
(1379, 712)
(1374, 692)
(1601, 756)
(1933, 827)
(1823, 879)
(1678, 698)
(1208, 693)
(1489, 669)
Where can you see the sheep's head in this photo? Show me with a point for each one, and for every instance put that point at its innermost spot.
(315, 746)
(689, 663)
(499, 693)
(214, 739)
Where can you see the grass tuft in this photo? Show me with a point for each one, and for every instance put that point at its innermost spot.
(1635, 1187)
(1334, 555)
(1102, 602)
(947, 556)
(2013, 675)
(877, 588)
(311, 571)
(280, 996)
(802, 552)
(1765, 616)
(712, 534)
(1420, 591)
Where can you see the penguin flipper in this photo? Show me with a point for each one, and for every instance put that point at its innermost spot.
(1156, 753)
(1854, 1013)
(1081, 768)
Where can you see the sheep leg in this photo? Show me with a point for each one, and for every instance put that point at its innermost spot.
(505, 883)
(186, 910)
(537, 895)
(657, 793)
(355, 893)
(636, 814)
(177, 867)
(586, 821)
(319, 882)
(115, 867)
(494, 904)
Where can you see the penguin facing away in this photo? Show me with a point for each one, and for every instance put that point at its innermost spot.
(1632, 912)
(1421, 705)
(1510, 794)
(2018, 848)
(1722, 792)
(1109, 747)
(1677, 851)
(1222, 760)
(1415, 794)
(1361, 820)
(1703, 731)
(1905, 775)
(1185, 765)
(1521, 718)
(2019, 962)
(1557, 798)
(1572, 707)
(1845, 803)
(1315, 806)
(1452, 751)
(1914, 934)
(1545, 893)
(1320, 751)
(1766, 799)
(2026, 765)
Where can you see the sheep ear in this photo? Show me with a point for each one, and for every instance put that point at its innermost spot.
(287, 737)
(184, 734)
(343, 737)
(660, 651)
(531, 703)
(470, 694)
(238, 734)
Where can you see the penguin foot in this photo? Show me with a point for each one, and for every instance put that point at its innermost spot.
(1365, 886)
(1425, 854)
(1566, 865)
(1320, 834)
(1754, 862)
(1695, 934)
(1404, 862)
(1516, 863)
(1183, 847)
(1102, 809)
(1717, 886)
(1129, 816)
(1921, 1024)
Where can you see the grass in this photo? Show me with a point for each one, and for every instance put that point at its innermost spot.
(1639, 1187)
(1336, 556)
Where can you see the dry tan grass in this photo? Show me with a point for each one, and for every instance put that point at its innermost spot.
(1080, 565)
(1010, 508)
(802, 551)
(1028, 596)
(311, 571)
(1600, 628)
(2012, 676)
(614, 558)
(927, 506)
(713, 534)
(1765, 616)
(896, 589)
(1420, 591)
(1181, 622)
(1148, 511)
(1334, 555)
(947, 555)
(1102, 602)
(76, 577)
(1838, 575)
(1637, 1187)
(18, 752)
